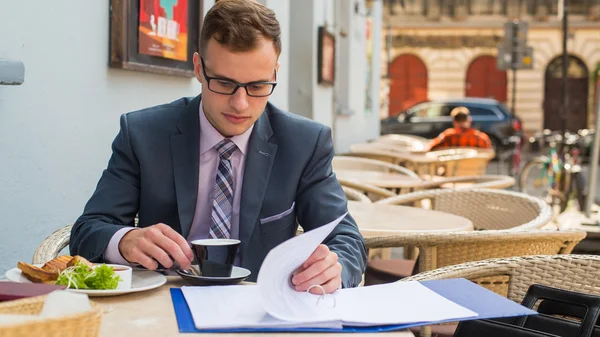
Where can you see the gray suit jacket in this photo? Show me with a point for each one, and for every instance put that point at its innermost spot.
(153, 172)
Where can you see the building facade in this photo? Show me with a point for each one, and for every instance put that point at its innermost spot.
(448, 48)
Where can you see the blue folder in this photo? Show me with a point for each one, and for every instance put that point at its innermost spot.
(485, 303)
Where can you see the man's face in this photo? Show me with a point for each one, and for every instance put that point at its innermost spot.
(463, 125)
(233, 114)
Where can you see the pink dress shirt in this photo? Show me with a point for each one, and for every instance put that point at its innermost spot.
(209, 161)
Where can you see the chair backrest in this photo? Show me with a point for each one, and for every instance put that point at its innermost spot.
(376, 154)
(486, 208)
(373, 193)
(470, 166)
(366, 164)
(439, 249)
(52, 245)
(355, 195)
(511, 277)
(470, 182)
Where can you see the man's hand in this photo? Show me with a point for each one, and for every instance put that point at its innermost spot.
(322, 268)
(156, 243)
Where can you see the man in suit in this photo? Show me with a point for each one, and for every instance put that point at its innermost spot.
(226, 164)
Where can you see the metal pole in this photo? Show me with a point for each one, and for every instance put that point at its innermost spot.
(591, 196)
(515, 55)
(565, 58)
(377, 16)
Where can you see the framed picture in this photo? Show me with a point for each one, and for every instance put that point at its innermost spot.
(158, 36)
(326, 57)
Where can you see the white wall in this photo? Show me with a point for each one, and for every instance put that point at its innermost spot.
(352, 125)
(306, 97)
(56, 128)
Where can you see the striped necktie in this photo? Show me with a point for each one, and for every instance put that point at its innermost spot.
(222, 206)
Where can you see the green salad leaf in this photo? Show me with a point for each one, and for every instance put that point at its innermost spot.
(81, 276)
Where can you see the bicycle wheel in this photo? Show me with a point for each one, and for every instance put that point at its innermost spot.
(534, 179)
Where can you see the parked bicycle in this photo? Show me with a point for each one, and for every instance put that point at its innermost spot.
(556, 176)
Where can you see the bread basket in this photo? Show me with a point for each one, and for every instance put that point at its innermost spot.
(84, 324)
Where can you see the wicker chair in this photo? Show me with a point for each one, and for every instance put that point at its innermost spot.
(52, 245)
(470, 182)
(55, 243)
(373, 193)
(486, 208)
(511, 277)
(463, 161)
(440, 249)
(366, 164)
(355, 195)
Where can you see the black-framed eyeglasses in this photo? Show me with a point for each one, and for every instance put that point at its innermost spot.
(225, 86)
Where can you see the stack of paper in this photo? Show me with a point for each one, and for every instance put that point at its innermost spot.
(274, 303)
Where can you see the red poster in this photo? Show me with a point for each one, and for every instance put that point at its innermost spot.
(163, 28)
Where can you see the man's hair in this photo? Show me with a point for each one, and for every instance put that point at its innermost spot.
(460, 114)
(238, 24)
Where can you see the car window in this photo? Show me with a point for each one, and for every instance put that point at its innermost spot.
(429, 110)
(504, 109)
(482, 112)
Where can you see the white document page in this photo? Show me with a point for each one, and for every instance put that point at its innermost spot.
(233, 307)
(279, 297)
(394, 303)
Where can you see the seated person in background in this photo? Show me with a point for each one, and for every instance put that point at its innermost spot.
(461, 135)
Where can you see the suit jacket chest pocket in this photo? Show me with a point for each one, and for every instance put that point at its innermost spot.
(278, 223)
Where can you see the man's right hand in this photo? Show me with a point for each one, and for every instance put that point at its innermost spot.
(156, 244)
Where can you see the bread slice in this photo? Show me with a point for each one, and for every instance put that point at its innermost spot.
(36, 274)
(57, 264)
(77, 259)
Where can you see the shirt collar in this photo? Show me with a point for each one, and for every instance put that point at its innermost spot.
(209, 136)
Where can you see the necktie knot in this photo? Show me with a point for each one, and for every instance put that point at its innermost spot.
(226, 148)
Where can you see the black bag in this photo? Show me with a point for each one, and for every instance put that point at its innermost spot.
(583, 311)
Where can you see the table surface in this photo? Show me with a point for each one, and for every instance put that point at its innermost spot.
(150, 313)
(384, 220)
(381, 179)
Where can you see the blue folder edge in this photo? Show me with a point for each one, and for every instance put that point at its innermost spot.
(485, 303)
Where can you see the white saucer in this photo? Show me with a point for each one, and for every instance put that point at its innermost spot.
(140, 281)
(238, 274)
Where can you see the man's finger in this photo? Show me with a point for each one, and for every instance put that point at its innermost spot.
(137, 256)
(320, 253)
(173, 250)
(173, 235)
(149, 247)
(331, 272)
(315, 269)
(329, 287)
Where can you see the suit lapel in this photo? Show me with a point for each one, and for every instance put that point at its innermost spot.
(259, 161)
(185, 149)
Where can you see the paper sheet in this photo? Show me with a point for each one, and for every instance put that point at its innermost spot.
(279, 298)
(395, 303)
(233, 307)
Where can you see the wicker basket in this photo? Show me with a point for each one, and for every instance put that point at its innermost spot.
(85, 324)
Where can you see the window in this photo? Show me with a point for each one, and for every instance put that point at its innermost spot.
(482, 112)
(428, 110)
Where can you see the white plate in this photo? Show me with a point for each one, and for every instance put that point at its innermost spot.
(140, 281)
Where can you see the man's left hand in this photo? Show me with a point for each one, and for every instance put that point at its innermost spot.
(322, 268)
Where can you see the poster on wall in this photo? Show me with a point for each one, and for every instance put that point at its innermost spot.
(163, 29)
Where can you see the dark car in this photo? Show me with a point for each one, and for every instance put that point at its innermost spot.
(429, 119)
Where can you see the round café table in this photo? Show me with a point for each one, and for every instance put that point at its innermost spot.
(376, 220)
(150, 313)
